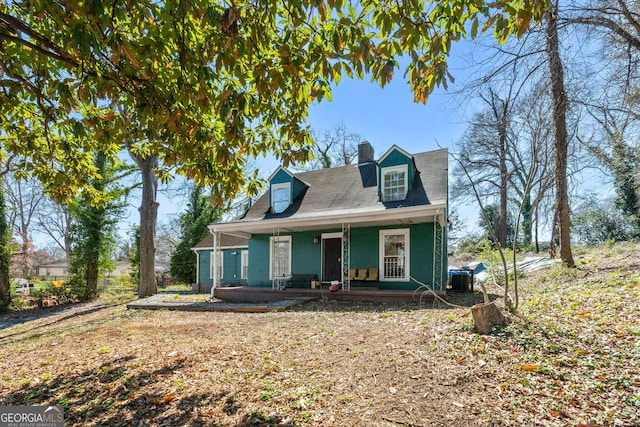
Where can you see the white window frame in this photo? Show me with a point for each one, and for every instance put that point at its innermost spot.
(277, 239)
(394, 169)
(220, 264)
(244, 264)
(274, 189)
(407, 255)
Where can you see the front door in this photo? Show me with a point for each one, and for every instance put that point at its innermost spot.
(331, 259)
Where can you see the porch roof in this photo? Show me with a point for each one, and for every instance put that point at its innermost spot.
(360, 218)
(227, 241)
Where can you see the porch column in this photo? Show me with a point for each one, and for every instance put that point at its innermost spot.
(214, 262)
(346, 257)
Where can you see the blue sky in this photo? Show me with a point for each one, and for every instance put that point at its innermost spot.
(389, 116)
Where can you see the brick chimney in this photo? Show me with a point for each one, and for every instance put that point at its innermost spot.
(365, 152)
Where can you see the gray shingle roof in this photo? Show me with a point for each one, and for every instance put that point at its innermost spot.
(354, 187)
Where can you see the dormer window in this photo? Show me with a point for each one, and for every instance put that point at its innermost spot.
(394, 183)
(280, 197)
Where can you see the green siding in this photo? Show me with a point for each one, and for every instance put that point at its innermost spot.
(231, 267)
(307, 256)
(396, 158)
(204, 267)
(259, 260)
(298, 187)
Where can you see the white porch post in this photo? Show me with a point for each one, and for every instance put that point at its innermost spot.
(214, 262)
(197, 270)
(346, 256)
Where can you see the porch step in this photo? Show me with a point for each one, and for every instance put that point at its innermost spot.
(365, 288)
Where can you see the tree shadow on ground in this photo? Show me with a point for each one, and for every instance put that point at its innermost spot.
(119, 393)
(65, 313)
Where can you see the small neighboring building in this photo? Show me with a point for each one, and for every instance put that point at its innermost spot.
(381, 223)
(56, 270)
(232, 264)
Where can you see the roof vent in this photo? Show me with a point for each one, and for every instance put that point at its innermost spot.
(365, 152)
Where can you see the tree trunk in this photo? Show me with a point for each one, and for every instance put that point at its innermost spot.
(527, 221)
(561, 137)
(502, 220)
(93, 258)
(486, 316)
(500, 110)
(5, 291)
(148, 218)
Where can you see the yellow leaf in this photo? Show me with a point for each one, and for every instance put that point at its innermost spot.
(168, 397)
(523, 23)
(583, 313)
(129, 55)
(530, 367)
(108, 116)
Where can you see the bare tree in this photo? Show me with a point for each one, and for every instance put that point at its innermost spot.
(484, 150)
(336, 147)
(506, 153)
(532, 161)
(25, 195)
(54, 220)
(561, 136)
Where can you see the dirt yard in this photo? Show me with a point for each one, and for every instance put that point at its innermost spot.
(570, 358)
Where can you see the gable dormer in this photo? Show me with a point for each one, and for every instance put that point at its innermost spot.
(396, 172)
(284, 187)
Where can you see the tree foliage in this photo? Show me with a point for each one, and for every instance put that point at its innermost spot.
(209, 84)
(92, 233)
(194, 227)
(596, 221)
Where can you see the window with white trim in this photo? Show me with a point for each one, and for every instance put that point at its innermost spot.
(219, 264)
(394, 183)
(244, 264)
(280, 256)
(280, 197)
(394, 255)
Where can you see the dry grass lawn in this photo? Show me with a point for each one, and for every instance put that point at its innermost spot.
(570, 357)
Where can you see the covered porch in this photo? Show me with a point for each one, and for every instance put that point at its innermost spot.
(352, 238)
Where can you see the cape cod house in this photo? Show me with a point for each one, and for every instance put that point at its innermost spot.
(380, 224)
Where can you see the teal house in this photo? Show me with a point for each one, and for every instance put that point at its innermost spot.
(377, 225)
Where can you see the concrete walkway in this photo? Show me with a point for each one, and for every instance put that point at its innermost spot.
(168, 301)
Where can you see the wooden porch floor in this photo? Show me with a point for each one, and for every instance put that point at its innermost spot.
(260, 294)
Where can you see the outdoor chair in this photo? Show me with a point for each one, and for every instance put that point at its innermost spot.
(361, 275)
(373, 275)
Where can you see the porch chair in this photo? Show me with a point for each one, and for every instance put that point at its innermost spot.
(352, 274)
(373, 275)
(361, 275)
